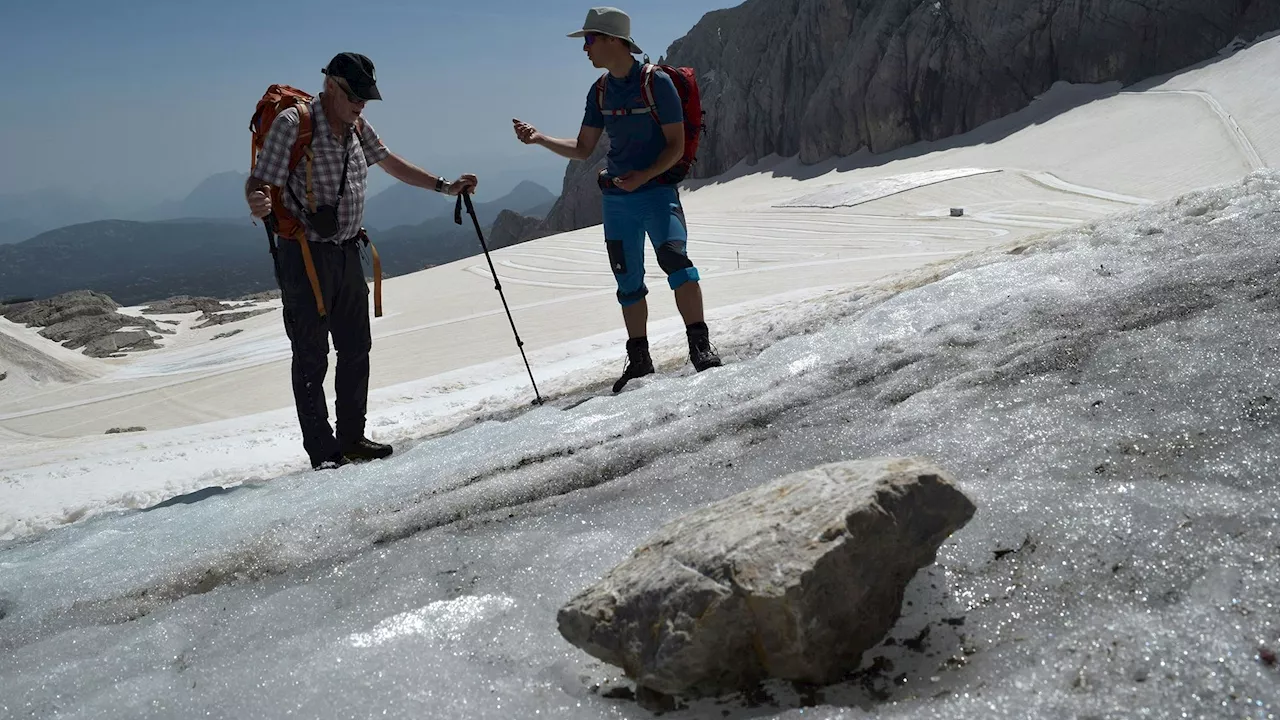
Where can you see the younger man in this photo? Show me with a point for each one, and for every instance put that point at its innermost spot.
(636, 199)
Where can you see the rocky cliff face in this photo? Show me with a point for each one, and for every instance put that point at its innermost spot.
(824, 78)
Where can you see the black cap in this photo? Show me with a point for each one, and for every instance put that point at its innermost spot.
(357, 70)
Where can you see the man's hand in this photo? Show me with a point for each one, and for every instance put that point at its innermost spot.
(631, 181)
(259, 204)
(526, 133)
(579, 149)
(465, 183)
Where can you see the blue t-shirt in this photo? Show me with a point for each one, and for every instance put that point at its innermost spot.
(635, 141)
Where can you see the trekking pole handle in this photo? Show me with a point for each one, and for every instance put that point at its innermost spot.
(463, 196)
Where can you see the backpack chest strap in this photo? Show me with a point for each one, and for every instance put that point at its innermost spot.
(646, 92)
(632, 111)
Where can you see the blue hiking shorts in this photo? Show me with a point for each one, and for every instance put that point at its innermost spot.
(627, 218)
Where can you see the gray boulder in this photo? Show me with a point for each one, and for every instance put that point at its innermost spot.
(794, 579)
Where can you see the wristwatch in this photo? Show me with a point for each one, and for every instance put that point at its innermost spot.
(441, 184)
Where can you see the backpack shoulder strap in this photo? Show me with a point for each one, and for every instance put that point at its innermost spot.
(646, 90)
(302, 146)
(305, 125)
(600, 85)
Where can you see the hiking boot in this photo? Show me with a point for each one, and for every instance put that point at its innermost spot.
(364, 449)
(639, 363)
(335, 461)
(701, 353)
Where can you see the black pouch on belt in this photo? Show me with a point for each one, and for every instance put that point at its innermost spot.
(324, 221)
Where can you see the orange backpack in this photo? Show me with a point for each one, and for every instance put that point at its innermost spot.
(281, 222)
(276, 100)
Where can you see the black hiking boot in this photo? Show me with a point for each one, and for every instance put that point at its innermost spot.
(701, 353)
(335, 461)
(639, 363)
(364, 449)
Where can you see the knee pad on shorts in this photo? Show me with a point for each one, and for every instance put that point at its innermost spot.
(672, 258)
(676, 264)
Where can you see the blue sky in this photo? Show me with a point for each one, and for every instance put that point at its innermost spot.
(138, 101)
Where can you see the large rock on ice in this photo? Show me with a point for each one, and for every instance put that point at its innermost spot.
(794, 579)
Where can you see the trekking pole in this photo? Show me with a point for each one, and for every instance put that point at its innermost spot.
(269, 224)
(464, 196)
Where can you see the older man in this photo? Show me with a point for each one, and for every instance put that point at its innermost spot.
(344, 145)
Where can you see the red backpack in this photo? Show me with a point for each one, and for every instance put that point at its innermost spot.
(686, 82)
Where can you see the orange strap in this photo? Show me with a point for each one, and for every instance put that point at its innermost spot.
(363, 236)
(377, 281)
(305, 135)
(311, 273)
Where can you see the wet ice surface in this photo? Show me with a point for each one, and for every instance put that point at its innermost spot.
(1108, 397)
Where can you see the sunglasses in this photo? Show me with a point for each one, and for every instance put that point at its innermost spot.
(590, 38)
(344, 87)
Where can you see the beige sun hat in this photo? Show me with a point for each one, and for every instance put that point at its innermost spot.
(608, 21)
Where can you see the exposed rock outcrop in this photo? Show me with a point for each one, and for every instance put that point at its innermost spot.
(261, 296)
(211, 319)
(131, 429)
(86, 319)
(115, 342)
(43, 313)
(183, 304)
(794, 579)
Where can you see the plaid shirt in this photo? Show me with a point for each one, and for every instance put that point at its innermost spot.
(363, 150)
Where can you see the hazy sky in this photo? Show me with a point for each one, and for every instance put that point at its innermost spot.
(137, 101)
